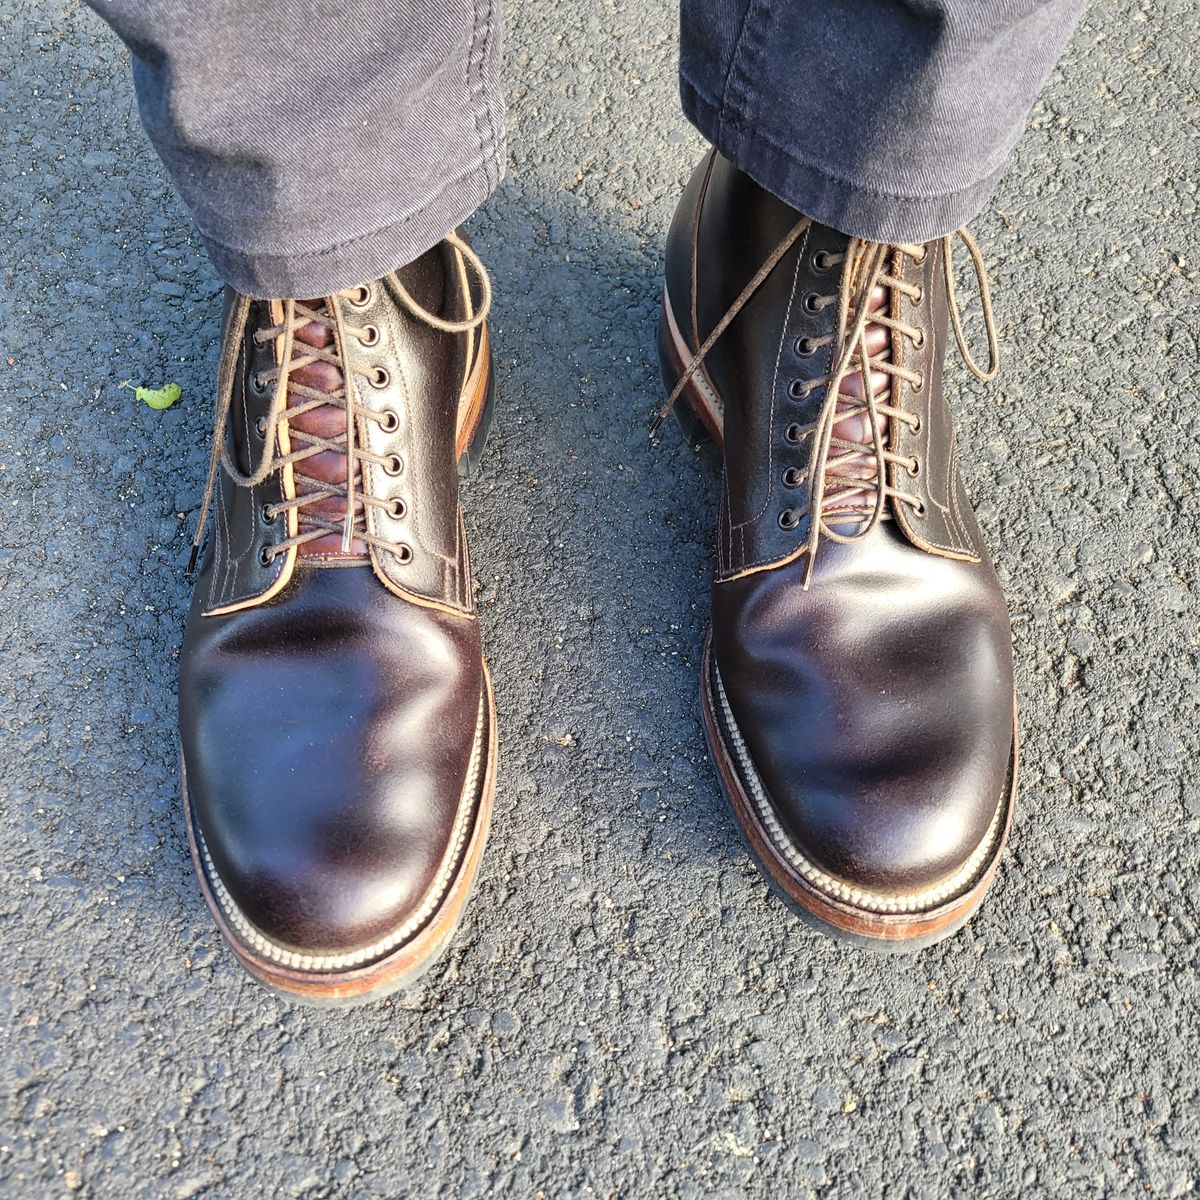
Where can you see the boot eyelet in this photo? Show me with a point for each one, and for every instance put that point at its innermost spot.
(805, 347)
(913, 468)
(919, 341)
(360, 297)
(268, 515)
(915, 427)
(798, 389)
(919, 510)
(389, 420)
(918, 385)
(256, 383)
(260, 427)
(919, 259)
(393, 465)
(792, 433)
(370, 335)
(919, 296)
(821, 261)
(812, 303)
(380, 377)
(404, 553)
(789, 519)
(792, 477)
(397, 508)
(266, 556)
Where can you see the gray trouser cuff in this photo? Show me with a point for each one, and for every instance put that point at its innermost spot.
(851, 206)
(888, 120)
(366, 256)
(319, 146)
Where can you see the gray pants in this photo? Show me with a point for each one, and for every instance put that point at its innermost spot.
(354, 135)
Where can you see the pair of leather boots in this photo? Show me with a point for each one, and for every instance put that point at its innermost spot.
(338, 727)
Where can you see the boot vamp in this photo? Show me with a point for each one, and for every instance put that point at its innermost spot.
(328, 737)
(876, 707)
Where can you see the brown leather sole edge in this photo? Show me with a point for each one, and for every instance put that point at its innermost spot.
(404, 965)
(846, 922)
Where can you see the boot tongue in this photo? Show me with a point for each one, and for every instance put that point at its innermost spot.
(852, 427)
(325, 421)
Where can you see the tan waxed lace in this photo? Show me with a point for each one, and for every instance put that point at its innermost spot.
(835, 477)
(294, 356)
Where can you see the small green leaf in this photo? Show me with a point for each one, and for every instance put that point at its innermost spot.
(159, 398)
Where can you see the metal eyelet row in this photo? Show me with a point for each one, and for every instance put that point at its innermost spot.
(388, 420)
(791, 478)
(819, 263)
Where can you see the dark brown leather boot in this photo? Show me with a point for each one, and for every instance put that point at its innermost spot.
(337, 722)
(857, 685)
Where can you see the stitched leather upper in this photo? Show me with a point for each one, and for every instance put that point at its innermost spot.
(875, 705)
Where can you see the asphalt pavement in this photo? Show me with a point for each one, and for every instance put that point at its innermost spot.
(627, 1011)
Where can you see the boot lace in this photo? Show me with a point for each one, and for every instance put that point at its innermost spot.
(843, 473)
(347, 396)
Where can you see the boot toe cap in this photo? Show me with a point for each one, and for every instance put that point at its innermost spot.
(876, 735)
(335, 765)
(322, 859)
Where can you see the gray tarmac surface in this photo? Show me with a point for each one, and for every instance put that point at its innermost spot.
(626, 1012)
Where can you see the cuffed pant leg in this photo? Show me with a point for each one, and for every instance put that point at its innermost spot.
(319, 145)
(887, 119)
